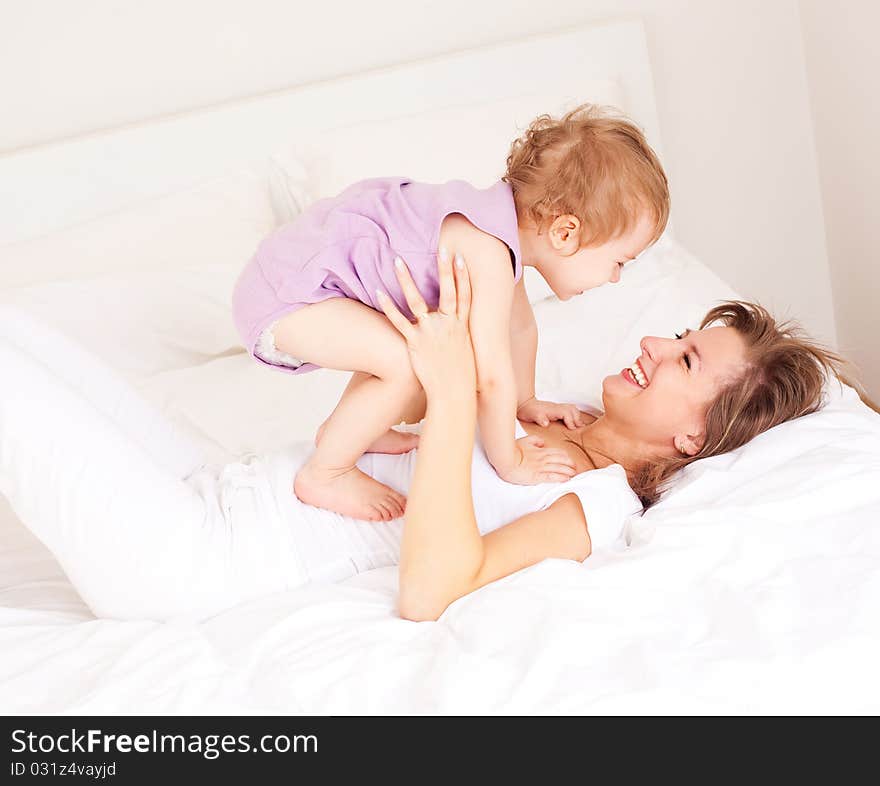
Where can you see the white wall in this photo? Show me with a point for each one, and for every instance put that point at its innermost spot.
(843, 61)
(730, 82)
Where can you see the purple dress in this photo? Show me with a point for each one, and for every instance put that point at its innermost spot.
(345, 247)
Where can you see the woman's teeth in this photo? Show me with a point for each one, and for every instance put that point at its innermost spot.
(639, 375)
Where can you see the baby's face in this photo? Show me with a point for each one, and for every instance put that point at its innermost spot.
(570, 271)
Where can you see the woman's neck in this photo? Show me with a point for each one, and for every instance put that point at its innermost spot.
(604, 446)
(596, 445)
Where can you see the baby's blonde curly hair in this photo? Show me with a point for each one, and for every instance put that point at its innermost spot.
(592, 163)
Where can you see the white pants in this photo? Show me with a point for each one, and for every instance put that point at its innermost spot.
(141, 526)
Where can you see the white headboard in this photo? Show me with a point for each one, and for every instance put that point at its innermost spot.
(52, 186)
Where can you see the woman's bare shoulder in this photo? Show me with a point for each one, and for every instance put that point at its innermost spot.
(557, 435)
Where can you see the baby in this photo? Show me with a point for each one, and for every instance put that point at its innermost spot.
(582, 195)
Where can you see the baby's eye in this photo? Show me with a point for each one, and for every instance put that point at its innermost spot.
(678, 335)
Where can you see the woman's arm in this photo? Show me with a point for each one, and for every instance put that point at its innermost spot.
(446, 558)
(443, 555)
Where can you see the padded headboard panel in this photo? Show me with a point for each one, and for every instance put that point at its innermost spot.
(52, 186)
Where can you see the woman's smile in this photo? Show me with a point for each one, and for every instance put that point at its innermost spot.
(636, 375)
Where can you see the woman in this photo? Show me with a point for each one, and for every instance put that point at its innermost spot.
(144, 530)
(703, 393)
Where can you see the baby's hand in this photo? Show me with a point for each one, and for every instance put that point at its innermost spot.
(542, 412)
(537, 464)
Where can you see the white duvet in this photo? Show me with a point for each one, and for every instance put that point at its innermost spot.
(754, 586)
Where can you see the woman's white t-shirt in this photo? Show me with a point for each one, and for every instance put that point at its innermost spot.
(332, 547)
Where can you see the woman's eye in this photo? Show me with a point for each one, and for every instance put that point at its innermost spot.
(687, 358)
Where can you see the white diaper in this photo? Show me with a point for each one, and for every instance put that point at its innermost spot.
(266, 349)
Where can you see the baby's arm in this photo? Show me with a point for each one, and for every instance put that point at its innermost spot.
(524, 344)
(492, 284)
(524, 461)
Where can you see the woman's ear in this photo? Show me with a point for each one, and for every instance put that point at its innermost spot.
(565, 233)
(688, 444)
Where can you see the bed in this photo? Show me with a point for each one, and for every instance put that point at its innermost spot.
(753, 587)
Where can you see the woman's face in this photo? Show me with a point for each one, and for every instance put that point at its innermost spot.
(661, 401)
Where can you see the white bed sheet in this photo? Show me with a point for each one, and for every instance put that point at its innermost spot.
(754, 586)
(690, 623)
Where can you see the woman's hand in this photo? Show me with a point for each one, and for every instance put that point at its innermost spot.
(443, 359)
(439, 342)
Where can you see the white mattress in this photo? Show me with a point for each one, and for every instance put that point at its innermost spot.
(753, 587)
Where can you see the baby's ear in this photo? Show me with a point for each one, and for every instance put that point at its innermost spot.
(565, 232)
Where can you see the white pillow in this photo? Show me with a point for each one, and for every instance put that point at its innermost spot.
(456, 142)
(218, 222)
(147, 289)
(141, 323)
(244, 406)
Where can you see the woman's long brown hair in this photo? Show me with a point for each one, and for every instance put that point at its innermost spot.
(784, 378)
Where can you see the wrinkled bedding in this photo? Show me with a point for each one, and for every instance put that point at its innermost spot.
(754, 586)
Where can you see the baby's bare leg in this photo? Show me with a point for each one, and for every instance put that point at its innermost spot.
(391, 441)
(347, 335)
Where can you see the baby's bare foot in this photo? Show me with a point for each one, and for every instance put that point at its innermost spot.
(390, 442)
(351, 493)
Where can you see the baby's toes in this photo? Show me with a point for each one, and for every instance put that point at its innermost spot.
(401, 503)
(381, 513)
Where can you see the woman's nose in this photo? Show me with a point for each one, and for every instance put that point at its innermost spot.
(615, 276)
(654, 347)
